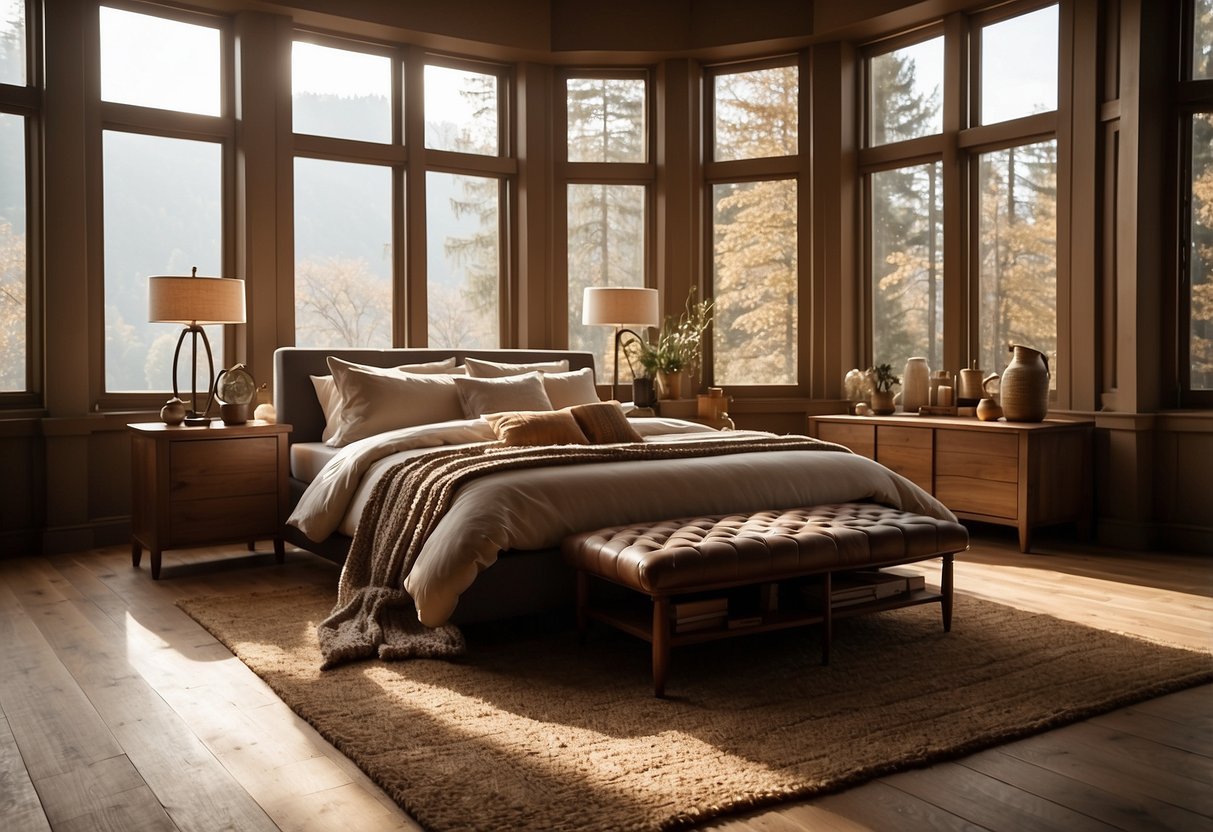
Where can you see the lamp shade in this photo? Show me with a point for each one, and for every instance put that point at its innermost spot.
(195, 300)
(620, 306)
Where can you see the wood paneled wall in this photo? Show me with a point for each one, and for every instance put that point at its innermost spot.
(65, 468)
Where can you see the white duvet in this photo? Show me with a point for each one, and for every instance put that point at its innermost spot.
(536, 508)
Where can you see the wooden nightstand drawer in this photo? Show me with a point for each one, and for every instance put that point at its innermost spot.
(224, 468)
(223, 518)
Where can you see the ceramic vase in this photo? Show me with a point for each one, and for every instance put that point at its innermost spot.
(643, 394)
(915, 385)
(1025, 385)
(173, 412)
(882, 403)
(669, 384)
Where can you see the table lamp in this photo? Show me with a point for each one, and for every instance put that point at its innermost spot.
(195, 301)
(619, 307)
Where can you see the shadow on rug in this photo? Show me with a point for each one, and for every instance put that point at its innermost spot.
(536, 731)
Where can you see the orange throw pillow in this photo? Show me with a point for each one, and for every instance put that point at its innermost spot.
(536, 427)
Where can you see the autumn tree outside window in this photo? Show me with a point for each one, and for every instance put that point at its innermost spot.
(754, 226)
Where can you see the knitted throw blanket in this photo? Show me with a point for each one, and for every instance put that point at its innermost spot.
(374, 615)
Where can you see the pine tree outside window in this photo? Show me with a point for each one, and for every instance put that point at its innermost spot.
(606, 195)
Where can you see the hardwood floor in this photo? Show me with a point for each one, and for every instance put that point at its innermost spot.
(117, 711)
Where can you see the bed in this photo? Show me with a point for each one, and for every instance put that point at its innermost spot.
(495, 552)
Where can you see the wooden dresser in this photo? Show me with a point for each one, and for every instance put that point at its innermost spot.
(1022, 474)
(197, 485)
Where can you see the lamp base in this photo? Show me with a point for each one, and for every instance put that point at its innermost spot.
(197, 421)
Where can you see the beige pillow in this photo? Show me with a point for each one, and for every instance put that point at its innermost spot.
(604, 423)
(374, 400)
(330, 399)
(478, 368)
(497, 395)
(568, 389)
(547, 427)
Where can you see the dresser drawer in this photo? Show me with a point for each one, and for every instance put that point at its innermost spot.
(224, 468)
(906, 451)
(983, 456)
(977, 496)
(859, 438)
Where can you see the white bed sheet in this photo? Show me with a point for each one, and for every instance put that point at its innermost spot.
(309, 458)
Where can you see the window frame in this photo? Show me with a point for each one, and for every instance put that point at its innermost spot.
(959, 147)
(410, 160)
(597, 173)
(796, 167)
(153, 121)
(26, 101)
(1191, 96)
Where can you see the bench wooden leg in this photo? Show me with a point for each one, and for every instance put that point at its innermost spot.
(583, 599)
(661, 643)
(827, 618)
(945, 589)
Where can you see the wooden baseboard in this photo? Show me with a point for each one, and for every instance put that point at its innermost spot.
(78, 538)
(1171, 537)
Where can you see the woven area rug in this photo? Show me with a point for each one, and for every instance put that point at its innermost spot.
(534, 731)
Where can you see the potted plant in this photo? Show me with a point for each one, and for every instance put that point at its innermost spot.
(882, 381)
(676, 349)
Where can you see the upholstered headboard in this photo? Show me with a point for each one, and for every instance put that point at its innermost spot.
(295, 398)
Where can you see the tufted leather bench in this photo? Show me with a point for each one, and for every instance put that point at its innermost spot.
(695, 555)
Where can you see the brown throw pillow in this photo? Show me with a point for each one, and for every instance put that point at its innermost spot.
(536, 427)
(604, 423)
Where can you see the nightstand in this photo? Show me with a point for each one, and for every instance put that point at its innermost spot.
(216, 484)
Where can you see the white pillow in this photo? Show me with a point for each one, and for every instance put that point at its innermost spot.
(568, 389)
(330, 398)
(497, 395)
(374, 400)
(478, 368)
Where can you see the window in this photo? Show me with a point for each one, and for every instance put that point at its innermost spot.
(461, 110)
(1019, 66)
(756, 114)
(606, 200)
(1200, 256)
(156, 62)
(163, 215)
(163, 193)
(1017, 244)
(18, 114)
(343, 248)
(463, 260)
(754, 277)
(907, 263)
(339, 93)
(13, 63)
(754, 223)
(1195, 185)
(606, 119)
(930, 295)
(13, 258)
(905, 91)
(396, 243)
